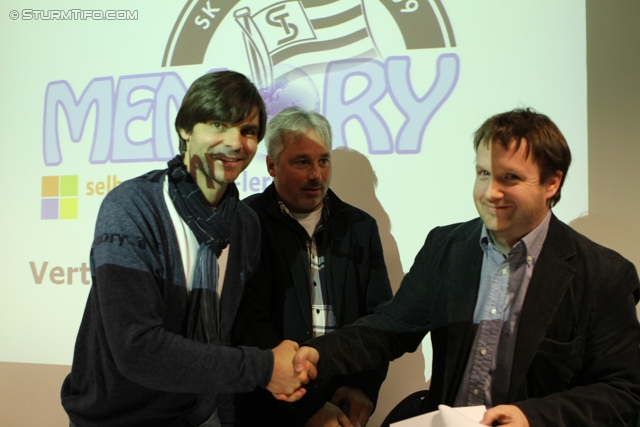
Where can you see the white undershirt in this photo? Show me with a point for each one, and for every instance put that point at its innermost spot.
(309, 220)
(189, 244)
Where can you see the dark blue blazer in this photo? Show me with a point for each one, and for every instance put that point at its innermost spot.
(577, 355)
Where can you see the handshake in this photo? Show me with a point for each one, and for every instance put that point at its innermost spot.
(293, 367)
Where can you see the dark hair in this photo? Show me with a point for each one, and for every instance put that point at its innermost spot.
(225, 96)
(546, 144)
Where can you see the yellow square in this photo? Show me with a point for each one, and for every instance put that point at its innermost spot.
(69, 208)
(50, 186)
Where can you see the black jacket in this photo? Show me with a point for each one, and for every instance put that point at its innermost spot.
(577, 356)
(277, 305)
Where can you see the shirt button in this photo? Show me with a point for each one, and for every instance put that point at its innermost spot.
(504, 271)
(318, 311)
(315, 284)
(475, 391)
(483, 351)
(529, 258)
(494, 311)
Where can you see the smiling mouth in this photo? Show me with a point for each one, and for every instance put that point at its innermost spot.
(224, 158)
(494, 209)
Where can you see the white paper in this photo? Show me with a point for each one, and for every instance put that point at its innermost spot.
(468, 416)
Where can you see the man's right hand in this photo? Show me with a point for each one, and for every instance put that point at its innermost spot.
(505, 415)
(329, 416)
(304, 357)
(286, 382)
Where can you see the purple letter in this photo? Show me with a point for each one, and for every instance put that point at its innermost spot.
(99, 92)
(419, 111)
(167, 87)
(361, 107)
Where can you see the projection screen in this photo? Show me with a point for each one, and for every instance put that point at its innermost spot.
(90, 96)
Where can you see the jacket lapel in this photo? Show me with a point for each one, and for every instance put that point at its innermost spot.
(464, 269)
(465, 266)
(297, 269)
(336, 266)
(551, 277)
(234, 278)
(336, 275)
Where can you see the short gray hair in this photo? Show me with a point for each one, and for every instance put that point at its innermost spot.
(297, 120)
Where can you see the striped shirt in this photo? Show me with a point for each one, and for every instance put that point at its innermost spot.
(322, 318)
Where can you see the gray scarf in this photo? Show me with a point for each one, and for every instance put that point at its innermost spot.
(213, 232)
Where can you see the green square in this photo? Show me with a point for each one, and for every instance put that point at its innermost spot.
(69, 186)
(69, 208)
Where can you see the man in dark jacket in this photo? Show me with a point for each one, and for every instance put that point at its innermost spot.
(527, 316)
(322, 267)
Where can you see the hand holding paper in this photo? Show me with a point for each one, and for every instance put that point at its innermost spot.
(506, 415)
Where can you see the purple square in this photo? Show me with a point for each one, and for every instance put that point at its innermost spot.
(49, 209)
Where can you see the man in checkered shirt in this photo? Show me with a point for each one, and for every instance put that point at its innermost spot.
(321, 268)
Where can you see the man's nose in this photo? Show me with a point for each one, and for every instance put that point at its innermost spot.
(314, 172)
(494, 190)
(233, 139)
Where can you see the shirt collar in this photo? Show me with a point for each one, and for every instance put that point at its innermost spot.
(532, 242)
(326, 208)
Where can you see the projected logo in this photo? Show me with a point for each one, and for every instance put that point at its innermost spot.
(311, 53)
(59, 197)
(285, 42)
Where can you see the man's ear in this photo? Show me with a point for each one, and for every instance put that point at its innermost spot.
(271, 167)
(553, 184)
(185, 135)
